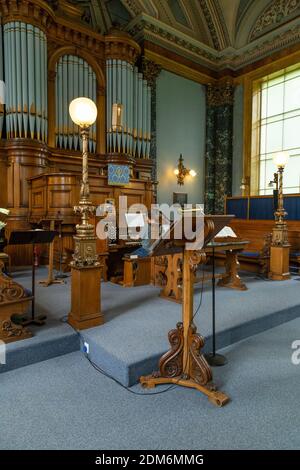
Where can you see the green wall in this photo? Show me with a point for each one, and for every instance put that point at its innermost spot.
(237, 160)
(180, 124)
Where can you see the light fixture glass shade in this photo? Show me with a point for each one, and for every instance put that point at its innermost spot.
(117, 116)
(176, 171)
(280, 159)
(2, 93)
(83, 112)
(192, 173)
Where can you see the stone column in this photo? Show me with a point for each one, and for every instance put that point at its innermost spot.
(151, 71)
(219, 135)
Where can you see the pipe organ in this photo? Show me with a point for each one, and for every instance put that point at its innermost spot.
(48, 57)
(25, 70)
(127, 87)
(74, 78)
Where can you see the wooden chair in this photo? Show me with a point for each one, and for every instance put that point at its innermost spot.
(14, 300)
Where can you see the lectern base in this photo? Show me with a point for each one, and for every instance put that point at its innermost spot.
(216, 397)
(184, 365)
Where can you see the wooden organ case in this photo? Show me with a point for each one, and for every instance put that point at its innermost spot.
(52, 196)
(40, 153)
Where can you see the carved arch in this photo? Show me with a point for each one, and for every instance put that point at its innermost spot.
(248, 21)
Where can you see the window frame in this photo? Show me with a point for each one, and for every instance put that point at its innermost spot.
(251, 82)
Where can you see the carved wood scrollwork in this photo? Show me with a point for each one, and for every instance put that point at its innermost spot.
(196, 258)
(9, 290)
(9, 330)
(199, 368)
(170, 364)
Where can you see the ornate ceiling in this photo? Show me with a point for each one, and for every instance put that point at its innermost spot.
(227, 32)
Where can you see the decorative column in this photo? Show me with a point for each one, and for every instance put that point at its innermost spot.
(280, 247)
(85, 268)
(219, 133)
(151, 71)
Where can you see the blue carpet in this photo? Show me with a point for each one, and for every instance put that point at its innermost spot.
(54, 338)
(134, 336)
(63, 403)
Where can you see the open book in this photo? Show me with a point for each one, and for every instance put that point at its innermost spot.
(226, 232)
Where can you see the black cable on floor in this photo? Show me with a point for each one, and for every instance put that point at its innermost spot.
(101, 371)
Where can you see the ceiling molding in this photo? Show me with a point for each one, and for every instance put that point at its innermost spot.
(276, 13)
(150, 29)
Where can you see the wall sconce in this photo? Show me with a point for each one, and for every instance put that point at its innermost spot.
(117, 117)
(181, 172)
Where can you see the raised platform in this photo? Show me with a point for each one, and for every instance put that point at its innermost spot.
(134, 336)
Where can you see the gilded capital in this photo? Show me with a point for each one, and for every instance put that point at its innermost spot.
(150, 71)
(220, 93)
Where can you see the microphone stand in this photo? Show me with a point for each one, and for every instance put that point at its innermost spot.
(60, 274)
(214, 359)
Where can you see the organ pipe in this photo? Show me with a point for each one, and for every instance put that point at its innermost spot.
(127, 87)
(25, 72)
(74, 78)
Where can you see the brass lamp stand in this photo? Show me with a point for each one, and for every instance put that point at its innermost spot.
(280, 248)
(85, 268)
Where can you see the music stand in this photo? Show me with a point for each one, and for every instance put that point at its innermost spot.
(32, 237)
(184, 364)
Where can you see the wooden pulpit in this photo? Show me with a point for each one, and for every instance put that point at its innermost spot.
(184, 364)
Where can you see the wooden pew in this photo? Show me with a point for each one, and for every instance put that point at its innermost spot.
(256, 257)
(294, 239)
(258, 232)
(14, 300)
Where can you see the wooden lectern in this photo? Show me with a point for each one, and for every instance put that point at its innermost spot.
(184, 363)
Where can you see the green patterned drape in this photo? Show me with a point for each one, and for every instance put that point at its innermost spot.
(219, 134)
